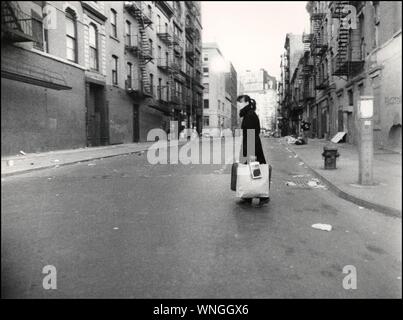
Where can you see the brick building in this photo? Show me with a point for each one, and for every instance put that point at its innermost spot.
(219, 89)
(354, 50)
(89, 73)
(231, 94)
(293, 47)
(262, 87)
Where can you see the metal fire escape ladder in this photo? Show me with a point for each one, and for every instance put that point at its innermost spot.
(343, 40)
(345, 63)
(144, 52)
(316, 20)
(15, 24)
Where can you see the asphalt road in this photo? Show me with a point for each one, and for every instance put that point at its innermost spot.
(123, 228)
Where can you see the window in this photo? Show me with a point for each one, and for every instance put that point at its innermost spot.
(166, 58)
(129, 75)
(37, 30)
(71, 34)
(158, 22)
(206, 121)
(167, 91)
(361, 89)
(376, 22)
(93, 41)
(114, 70)
(113, 23)
(159, 88)
(350, 97)
(206, 87)
(152, 83)
(178, 9)
(159, 54)
(205, 69)
(206, 103)
(362, 33)
(219, 104)
(205, 58)
(128, 33)
(151, 46)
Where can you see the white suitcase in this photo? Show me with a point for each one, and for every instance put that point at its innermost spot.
(247, 187)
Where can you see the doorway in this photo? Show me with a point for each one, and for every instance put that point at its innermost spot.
(96, 116)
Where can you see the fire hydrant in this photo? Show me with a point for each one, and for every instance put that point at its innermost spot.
(330, 154)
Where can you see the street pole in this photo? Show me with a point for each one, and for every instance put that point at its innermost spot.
(366, 141)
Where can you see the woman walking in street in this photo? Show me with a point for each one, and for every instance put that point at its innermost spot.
(250, 121)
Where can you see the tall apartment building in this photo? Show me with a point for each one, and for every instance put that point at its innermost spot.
(231, 94)
(293, 47)
(88, 73)
(218, 97)
(262, 87)
(354, 50)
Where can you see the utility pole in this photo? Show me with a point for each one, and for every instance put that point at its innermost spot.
(366, 140)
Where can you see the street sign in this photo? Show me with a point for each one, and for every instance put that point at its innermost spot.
(365, 107)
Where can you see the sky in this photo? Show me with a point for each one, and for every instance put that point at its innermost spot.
(251, 34)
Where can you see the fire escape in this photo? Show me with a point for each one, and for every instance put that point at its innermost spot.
(307, 69)
(141, 47)
(190, 30)
(17, 26)
(348, 59)
(318, 49)
(170, 65)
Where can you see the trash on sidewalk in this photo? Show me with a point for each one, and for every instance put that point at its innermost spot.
(22, 152)
(338, 137)
(290, 139)
(361, 208)
(56, 160)
(290, 183)
(322, 226)
(139, 153)
(300, 163)
(300, 141)
(293, 140)
(316, 183)
(91, 164)
(10, 163)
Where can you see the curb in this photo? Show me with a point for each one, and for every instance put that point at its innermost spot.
(4, 175)
(388, 211)
(10, 174)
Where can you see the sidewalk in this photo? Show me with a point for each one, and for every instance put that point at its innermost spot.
(384, 196)
(12, 165)
(22, 163)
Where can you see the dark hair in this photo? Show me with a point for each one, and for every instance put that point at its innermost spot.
(251, 102)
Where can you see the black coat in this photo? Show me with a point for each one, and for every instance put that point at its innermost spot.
(251, 121)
